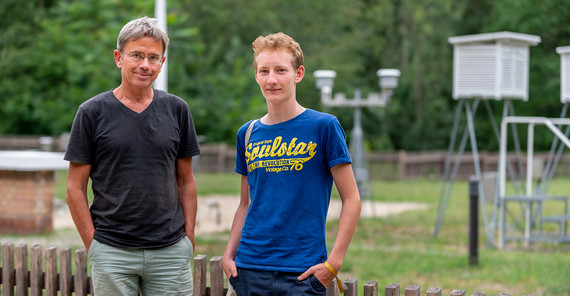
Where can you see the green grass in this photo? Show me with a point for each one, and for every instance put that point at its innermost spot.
(208, 184)
(402, 249)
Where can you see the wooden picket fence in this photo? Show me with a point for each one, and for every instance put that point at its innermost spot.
(20, 279)
(399, 165)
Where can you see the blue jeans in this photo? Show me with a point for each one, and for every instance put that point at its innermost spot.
(164, 271)
(256, 282)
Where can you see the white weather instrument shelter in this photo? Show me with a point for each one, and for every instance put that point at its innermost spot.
(491, 65)
(564, 52)
(488, 66)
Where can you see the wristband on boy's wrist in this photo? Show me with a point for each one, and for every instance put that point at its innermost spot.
(334, 273)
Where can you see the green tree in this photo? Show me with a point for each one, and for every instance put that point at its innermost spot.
(56, 54)
(54, 59)
(216, 73)
(549, 20)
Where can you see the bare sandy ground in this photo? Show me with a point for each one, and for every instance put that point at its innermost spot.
(215, 213)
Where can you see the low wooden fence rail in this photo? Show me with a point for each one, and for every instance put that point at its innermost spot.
(20, 279)
(396, 165)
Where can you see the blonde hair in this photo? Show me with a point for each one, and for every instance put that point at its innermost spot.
(278, 41)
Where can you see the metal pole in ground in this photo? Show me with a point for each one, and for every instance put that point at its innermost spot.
(473, 220)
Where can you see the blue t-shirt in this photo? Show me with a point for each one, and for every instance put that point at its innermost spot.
(288, 171)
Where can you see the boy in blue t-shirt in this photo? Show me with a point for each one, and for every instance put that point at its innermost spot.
(288, 165)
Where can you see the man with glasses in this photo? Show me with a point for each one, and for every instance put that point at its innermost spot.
(136, 144)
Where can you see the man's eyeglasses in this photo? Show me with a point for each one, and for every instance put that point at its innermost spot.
(139, 57)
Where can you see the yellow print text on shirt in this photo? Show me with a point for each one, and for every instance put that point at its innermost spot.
(257, 153)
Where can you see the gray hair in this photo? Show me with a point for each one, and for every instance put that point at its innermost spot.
(139, 28)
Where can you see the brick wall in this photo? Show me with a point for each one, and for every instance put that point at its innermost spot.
(26, 201)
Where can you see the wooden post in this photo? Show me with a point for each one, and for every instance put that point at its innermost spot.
(402, 163)
(36, 271)
(216, 276)
(22, 269)
(200, 267)
(51, 271)
(65, 278)
(351, 287)
(392, 289)
(8, 276)
(332, 289)
(457, 292)
(81, 279)
(412, 290)
(371, 288)
(433, 291)
(484, 161)
(222, 157)
(479, 293)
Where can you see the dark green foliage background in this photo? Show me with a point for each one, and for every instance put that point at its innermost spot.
(55, 54)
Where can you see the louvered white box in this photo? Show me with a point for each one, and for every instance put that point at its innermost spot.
(491, 65)
(564, 52)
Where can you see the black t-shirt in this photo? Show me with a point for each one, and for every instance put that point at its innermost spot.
(133, 167)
